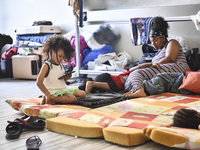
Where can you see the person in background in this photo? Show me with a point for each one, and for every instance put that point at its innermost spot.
(108, 82)
(169, 58)
(50, 79)
(187, 118)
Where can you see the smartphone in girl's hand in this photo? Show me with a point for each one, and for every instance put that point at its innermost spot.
(67, 73)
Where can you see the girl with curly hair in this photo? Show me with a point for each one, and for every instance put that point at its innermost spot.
(57, 49)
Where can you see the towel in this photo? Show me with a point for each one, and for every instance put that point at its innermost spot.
(140, 30)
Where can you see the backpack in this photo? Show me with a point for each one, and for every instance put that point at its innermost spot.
(5, 39)
(9, 52)
(148, 53)
(192, 58)
(42, 22)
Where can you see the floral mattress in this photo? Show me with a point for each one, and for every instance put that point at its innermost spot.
(130, 122)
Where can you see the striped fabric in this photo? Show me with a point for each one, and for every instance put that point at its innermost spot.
(135, 79)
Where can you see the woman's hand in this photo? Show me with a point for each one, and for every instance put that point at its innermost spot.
(144, 65)
(157, 65)
(133, 68)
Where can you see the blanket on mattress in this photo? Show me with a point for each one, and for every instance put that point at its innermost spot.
(33, 107)
(129, 122)
(95, 100)
(136, 118)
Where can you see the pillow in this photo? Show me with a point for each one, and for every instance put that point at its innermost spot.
(191, 82)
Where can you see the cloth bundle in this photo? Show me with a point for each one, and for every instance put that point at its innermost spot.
(101, 41)
(115, 62)
(106, 35)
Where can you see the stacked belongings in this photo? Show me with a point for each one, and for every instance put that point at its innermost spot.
(101, 56)
(31, 40)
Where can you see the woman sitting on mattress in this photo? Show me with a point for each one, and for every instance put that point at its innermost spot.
(169, 58)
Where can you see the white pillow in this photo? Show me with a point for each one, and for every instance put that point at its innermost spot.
(181, 41)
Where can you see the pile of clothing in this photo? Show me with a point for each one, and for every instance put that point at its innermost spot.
(97, 53)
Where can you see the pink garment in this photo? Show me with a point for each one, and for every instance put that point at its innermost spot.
(83, 45)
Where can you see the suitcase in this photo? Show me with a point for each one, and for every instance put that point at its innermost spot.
(25, 67)
(33, 51)
(44, 29)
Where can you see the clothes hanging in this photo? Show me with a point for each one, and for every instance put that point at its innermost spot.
(196, 20)
(140, 30)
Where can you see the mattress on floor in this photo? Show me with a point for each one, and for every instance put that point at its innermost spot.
(129, 123)
(42, 29)
(33, 107)
(70, 126)
(174, 137)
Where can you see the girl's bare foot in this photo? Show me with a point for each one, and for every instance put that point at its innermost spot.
(139, 93)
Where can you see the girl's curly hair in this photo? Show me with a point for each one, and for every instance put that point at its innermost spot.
(57, 42)
(186, 118)
(159, 24)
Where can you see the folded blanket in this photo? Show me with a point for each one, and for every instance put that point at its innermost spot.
(165, 82)
(39, 38)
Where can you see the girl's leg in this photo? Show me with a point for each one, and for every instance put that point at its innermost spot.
(91, 84)
(66, 98)
(79, 94)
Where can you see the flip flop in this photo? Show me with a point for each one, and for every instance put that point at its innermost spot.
(33, 143)
(30, 122)
(13, 130)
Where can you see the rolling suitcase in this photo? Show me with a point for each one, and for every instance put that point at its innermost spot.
(25, 67)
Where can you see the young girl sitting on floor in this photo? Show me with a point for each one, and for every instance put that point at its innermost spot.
(57, 48)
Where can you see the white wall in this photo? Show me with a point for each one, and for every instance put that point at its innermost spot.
(184, 29)
(125, 4)
(15, 13)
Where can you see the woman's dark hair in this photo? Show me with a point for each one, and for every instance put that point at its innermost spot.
(158, 24)
(187, 118)
(57, 42)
